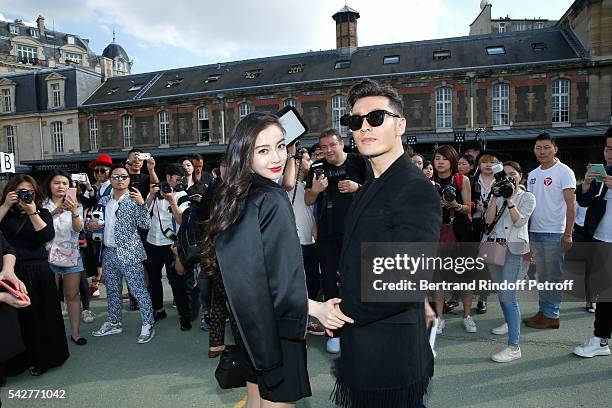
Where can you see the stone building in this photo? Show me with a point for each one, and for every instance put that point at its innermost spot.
(484, 24)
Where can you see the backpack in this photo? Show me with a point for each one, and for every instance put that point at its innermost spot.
(189, 239)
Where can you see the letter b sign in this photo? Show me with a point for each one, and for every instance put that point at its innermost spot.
(7, 162)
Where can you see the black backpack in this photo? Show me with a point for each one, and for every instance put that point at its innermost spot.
(189, 239)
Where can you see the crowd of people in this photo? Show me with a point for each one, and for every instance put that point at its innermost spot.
(61, 239)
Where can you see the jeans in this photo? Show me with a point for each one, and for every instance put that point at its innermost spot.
(510, 272)
(201, 294)
(549, 257)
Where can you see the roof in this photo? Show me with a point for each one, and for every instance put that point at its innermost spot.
(346, 9)
(52, 38)
(114, 50)
(415, 59)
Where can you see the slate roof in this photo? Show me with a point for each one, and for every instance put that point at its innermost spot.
(114, 50)
(415, 59)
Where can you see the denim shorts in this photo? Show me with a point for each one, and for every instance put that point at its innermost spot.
(64, 270)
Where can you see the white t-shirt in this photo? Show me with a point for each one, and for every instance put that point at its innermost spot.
(304, 215)
(603, 232)
(110, 218)
(162, 207)
(547, 186)
(62, 223)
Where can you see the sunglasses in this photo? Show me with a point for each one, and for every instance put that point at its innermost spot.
(120, 177)
(100, 171)
(375, 119)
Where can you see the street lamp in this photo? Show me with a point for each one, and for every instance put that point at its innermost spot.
(459, 138)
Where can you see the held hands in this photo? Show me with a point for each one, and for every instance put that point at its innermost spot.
(329, 314)
(348, 186)
(319, 183)
(136, 196)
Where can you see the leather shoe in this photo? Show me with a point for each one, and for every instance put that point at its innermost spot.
(214, 353)
(533, 318)
(481, 307)
(543, 323)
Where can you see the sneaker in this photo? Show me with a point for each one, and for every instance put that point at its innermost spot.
(333, 345)
(146, 334)
(441, 326)
(87, 316)
(506, 355)
(107, 328)
(205, 323)
(174, 304)
(591, 348)
(469, 324)
(503, 329)
(315, 329)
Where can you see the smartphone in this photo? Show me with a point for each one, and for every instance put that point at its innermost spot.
(144, 156)
(598, 168)
(71, 194)
(79, 177)
(19, 295)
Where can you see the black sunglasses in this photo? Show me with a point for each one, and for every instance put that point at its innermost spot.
(101, 171)
(375, 119)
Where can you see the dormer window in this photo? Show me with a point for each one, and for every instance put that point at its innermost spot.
(497, 50)
(252, 74)
(538, 47)
(173, 82)
(70, 40)
(135, 87)
(34, 32)
(296, 68)
(391, 59)
(212, 78)
(14, 29)
(113, 90)
(441, 55)
(342, 64)
(72, 57)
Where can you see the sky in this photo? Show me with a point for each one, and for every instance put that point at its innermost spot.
(166, 34)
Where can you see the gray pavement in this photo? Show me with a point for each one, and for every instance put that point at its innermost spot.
(173, 370)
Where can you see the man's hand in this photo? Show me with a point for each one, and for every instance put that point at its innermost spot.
(169, 197)
(607, 180)
(566, 242)
(329, 314)
(319, 183)
(136, 196)
(150, 164)
(348, 186)
(430, 315)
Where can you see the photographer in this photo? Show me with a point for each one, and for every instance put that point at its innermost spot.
(507, 217)
(331, 184)
(166, 203)
(133, 164)
(455, 199)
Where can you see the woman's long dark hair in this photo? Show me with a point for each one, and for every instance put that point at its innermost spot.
(18, 179)
(238, 157)
(50, 178)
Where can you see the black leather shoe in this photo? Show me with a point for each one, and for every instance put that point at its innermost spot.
(481, 307)
(81, 341)
(185, 325)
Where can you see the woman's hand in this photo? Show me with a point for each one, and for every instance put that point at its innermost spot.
(11, 199)
(10, 276)
(11, 300)
(329, 314)
(29, 208)
(69, 205)
(430, 315)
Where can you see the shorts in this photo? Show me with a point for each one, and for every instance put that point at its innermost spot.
(65, 270)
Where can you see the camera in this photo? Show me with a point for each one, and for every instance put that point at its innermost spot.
(81, 178)
(448, 192)
(98, 215)
(25, 196)
(164, 187)
(503, 182)
(333, 174)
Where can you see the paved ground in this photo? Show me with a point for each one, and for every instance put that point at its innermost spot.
(174, 371)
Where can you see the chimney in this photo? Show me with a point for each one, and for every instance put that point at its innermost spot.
(40, 21)
(346, 28)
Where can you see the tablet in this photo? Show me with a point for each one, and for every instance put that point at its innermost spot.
(292, 122)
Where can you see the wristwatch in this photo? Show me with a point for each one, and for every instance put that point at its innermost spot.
(290, 155)
(511, 206)
(34, 213)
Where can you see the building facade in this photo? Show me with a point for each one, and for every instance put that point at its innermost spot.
(484, 24)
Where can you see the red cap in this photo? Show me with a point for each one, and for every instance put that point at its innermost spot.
(102, 160)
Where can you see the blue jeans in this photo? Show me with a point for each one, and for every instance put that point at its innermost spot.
(510, 272)
(549, 257)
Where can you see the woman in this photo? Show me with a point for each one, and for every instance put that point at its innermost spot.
(67, 222)
(428, 169)
(456, 210)
(10, 341)
(27, 227)
(252, 219)
(188, 167)
(466, 165)
(507, 222)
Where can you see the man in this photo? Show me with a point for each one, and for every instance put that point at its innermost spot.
(201, 178)
(473, 148)
(333, 196)
(133, 164)
(550, 231)
(597, 196)
(386, 359)
(167, 209)
(124, 213)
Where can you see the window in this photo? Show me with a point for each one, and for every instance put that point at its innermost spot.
(212, 78)
(391, 59)
(520, 26)
(342, 64)
(538, 47)
(244, 109)
(496, 50)
(127, 131)
(501, 105)
(56, 96)
(70, 40)
(444, 118)
(7, 101)
(501, 27)
(539, 25)
(441, 55)
(112, 90)
(50, 37)
(252, 74)
(164, 125)
(289, 102)
(560, 101)
(72, 57)
(27, 54)
(57, 135)
(10, 138)
(296, 69)
(338, 109)
(93, 134)
(203, 125)
(173, 82)
(14, 30)
(34, 32)
(135, 87)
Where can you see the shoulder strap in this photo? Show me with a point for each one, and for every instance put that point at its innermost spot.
(459, 180)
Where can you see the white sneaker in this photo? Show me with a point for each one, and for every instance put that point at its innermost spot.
(87, 316)
(506, 355)
(107, 328)
(469, 324)
(592, 348)
(146, 334)
(441, 326)
(333, 345)
(64, 309)
(503, 329)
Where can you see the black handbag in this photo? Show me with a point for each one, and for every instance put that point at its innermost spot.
(229, 372)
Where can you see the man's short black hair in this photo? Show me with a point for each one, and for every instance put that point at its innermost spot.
(134, 150)
(546, 136)
(313, 148)
(175, 169)
(197, 156)
(117, 166)
(331, 132)
(369, 87)
(608, 134)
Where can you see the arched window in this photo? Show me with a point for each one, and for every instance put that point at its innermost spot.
(444, 108)
(338, 109)
(560, 101)
(501, 105)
